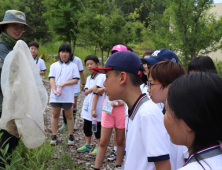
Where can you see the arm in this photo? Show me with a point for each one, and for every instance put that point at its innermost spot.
(82, 79)
(53, 85)
(95, 100)
(70, 82)
(42, 73)
(160, 165)
(87, 91)
(100, 91)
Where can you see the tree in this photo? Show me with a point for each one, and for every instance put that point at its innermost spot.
(63, 17)
(102, 25)
(186, 27)
(33, 11)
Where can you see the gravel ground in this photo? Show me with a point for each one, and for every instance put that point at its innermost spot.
(84, 159)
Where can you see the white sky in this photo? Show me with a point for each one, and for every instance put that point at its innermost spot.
(217, 1)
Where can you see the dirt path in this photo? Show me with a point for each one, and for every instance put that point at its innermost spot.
(84, 159)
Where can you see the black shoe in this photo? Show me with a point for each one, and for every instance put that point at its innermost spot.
(112, 156)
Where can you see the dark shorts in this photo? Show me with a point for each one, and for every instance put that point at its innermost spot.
(62, 105)
(88, 128)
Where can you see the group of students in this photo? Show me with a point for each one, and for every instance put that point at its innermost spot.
(164, 118)
(159, 120)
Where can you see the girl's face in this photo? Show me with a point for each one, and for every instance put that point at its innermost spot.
(146, 68)
(180, 133)
(64, 56)
(15, 30)
(156, 93)
(91, 64)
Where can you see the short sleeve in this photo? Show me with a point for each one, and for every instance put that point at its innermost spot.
(155, 139)
(42, 66)
(75, 72)
(80, 65)
(52, 73)
(100, 80)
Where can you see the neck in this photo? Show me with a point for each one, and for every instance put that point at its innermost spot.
(94, 73)
(131, 96)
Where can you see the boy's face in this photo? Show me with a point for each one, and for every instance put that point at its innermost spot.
(34, 50)
(111, 85)
(91, 64)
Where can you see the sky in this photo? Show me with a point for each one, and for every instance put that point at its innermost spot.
(217, 1)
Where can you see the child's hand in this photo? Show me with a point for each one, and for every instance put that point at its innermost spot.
(62, 85)
(117, 103)
(94, 114)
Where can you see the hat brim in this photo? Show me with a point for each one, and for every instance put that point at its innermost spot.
(101, 70)
(28, 28)
(151, 61)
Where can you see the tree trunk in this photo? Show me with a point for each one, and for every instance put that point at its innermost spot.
(95, 50)
(74, 46)
(193, 54)
(108, 53)
(102, 56)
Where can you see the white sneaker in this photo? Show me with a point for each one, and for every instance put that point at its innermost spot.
(118, 168)
(71, 140)
(62, 127)
(75, 125)
(53, 140)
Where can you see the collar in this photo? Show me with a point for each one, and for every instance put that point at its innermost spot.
(8, 39)
(132, 112)
(164, 110)
(36, 58)
(60, 61)
(93, 77)
(205, 153)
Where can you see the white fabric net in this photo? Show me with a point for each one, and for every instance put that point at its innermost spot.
(25, 97)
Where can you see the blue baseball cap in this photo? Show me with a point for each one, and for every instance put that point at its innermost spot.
(124, 61)
(161, 55)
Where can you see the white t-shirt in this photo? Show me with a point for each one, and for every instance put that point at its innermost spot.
(40, 63)
(147, 140)
(97, 80)
(78, 63)
(63, 72)
(211, 160)
(215, 163)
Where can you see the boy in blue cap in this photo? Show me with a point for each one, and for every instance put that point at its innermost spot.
(144, 125)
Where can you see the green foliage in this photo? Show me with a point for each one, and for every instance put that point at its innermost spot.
(62, 17)
(33, 11)
(186, 27)
(218, 65)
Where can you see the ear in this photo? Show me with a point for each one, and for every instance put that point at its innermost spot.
(123, 78)
(97, 64)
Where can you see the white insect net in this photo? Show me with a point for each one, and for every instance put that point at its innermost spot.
(25, 97)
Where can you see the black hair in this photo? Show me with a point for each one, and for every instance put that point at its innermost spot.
(66, 47)
(34, 43)
(3, 27)
(196, 99)
(202, 63)
(135, 79)
(92, 57)
(128, 48)
(148, 53)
